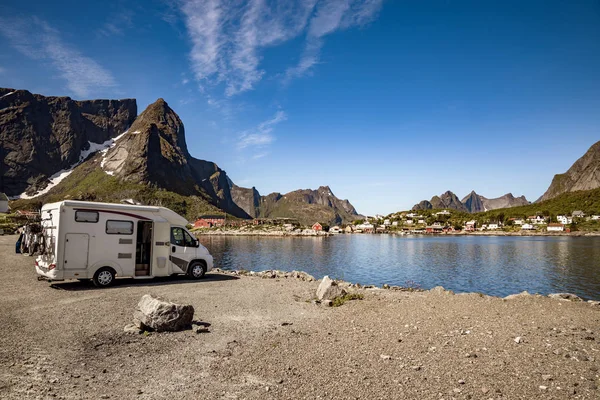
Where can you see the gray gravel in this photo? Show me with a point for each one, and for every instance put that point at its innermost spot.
(267, 340)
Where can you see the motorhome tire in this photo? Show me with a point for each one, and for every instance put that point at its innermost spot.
(197, 270)
(104, 277)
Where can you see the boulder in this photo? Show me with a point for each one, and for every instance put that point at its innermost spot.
(524, 293)
(441, 290)
(565, 296)
(159, 315)
(329, 289)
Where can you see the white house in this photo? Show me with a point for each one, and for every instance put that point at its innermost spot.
(492, 227)
(527, 227)
(556, 227)
(409, 222)
(3, 203)
(443, 212)
(519, 221)
(395, 223)
(537, 219)
(595, 217)
(387, 222)
(564, 219)
(470, 225)
(421, 221)
(412, 215)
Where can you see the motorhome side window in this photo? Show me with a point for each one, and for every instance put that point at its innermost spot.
(86, 216)
(114, 227)
(179, 237)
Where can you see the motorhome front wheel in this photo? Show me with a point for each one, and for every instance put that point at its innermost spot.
(197, 270)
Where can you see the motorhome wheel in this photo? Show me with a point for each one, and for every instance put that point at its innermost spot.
(197, 270)
(104, 277)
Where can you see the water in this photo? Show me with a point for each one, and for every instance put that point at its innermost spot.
(497, 266)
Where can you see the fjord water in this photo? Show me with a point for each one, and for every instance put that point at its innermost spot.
(493, 265)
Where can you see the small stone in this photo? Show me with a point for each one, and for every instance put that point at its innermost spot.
(485, 390)
(53, 380)
(547, 377)
(543, 387)
(286, 323)
(456, 390)
(267, 388)
(461, 381)
(385, 357)
(280, 381)
(416, 367)
(140, 391)
(327, 303)
(201, 329)
(104, 371)
(518, 339)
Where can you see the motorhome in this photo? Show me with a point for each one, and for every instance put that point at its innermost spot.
(100, 241)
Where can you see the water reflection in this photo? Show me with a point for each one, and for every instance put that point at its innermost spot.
(493, 265)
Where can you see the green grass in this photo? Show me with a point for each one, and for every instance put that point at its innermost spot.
(339, 301)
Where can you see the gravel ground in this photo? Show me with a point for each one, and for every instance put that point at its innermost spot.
(268, 341)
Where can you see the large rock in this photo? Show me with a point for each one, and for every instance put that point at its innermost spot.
(160, 315)
(329, 290)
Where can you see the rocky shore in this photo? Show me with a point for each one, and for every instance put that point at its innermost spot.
(265, 335)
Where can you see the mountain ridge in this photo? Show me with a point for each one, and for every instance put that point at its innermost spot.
(472, 203)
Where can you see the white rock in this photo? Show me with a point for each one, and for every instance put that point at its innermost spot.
(518, 339)
(161, 315)
(328, 289)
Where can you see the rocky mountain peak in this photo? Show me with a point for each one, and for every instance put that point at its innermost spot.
(584, 174)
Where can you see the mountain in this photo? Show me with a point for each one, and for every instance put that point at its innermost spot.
(476, 203)
(446, 200)
(472, 203)
(41, 135)
(584, 174)
(307, 206)
(146, 159)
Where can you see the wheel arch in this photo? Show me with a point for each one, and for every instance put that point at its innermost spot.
(101, 264)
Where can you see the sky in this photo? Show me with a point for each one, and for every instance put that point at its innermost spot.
(387, 102)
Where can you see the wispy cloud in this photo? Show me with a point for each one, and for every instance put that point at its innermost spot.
(228, 37)
(2, 70)
(117, 24)
(37, 40)
(262, 135)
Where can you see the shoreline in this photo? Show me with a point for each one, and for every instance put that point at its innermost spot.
(327, 234)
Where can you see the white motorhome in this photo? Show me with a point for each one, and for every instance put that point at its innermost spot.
(98, 241)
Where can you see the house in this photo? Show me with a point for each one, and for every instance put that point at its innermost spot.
(366, 227)
(595, 217)
(349, 229)
(578, 214)
(443, 212)
(380, 229)
(435, 228)
(556, 227)
(209, 221)
(317, 227)
(387, 222)
(470, 226)
(527, 227)
(395, 223)
(537, 219)
(412, 215)
(493, 227)
(409, 222)
(3, 203)
(518, 221)
(564, 219)
(421, 221)
(335, 229)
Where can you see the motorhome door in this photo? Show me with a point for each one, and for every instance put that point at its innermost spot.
(183, 249)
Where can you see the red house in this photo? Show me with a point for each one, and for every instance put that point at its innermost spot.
(208, 221)
(317, 226)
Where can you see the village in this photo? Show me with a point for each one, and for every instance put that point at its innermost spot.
(403, 223)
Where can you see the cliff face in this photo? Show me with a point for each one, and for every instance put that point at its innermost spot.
(247, 199)
(41, 135)
(447, 200)
(473, 202)
(154, 152)
(584, 174)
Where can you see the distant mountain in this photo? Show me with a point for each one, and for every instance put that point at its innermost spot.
(40, 136)
(447, 200)
(307, 206)
(472, 203)
(584, 174)
(476, 203)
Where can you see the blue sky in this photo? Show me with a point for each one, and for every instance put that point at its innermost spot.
(387, 102)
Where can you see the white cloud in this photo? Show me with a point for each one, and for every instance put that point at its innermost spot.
(117, 23)
(228, 37)
(261, 136)
(2, 70)
(37, 40)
